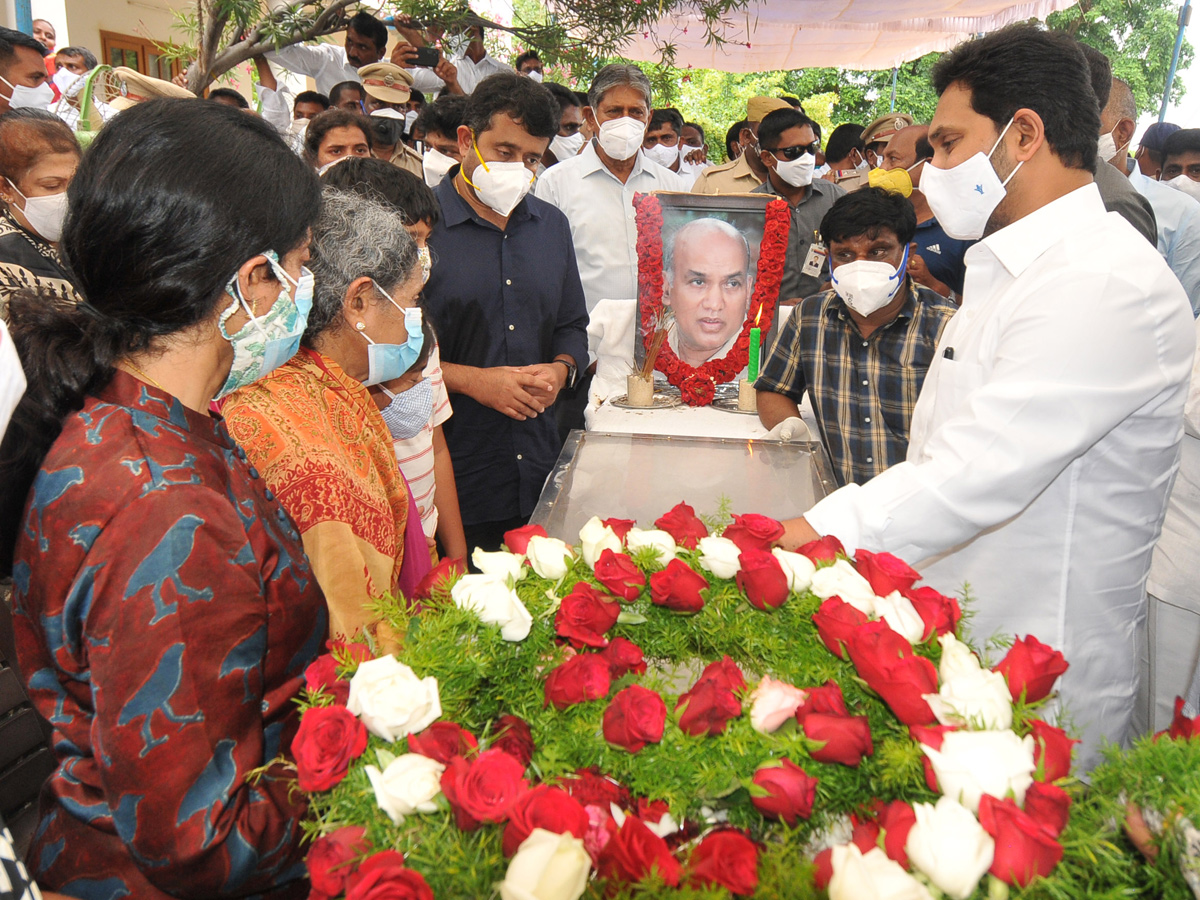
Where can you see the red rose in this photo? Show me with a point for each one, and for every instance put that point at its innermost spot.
(678, 587)
(726, 858)
(790, 791)
(650, 810)
(623, 656)
(385, 877)
(635, 718)
(517, 540)
(591, 788)
(895, 820)
(1049, 805)
(836, 622)
(941, 614)
(543, 806)
(825, 549)
(512, 735)
(826, 699)
(618, 574)
(1051, 751)
(620, 527)
(725, 672)
(585, 615)
(753, 532)
(844, 739)
(581, 678)
(483, 789)
(823, 868)
(1031, 668)
(1024, 848)
(708, 708)
(762, 579)
(885, 660)
(884, 572)
(329, 737)
(443, 741)
(321, 675)
(931, 736)
(681, 523)
(634, 851)
(331, 859)
(1181, 727)
(439, 579)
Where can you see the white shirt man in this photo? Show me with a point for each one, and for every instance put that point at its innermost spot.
(326, 64)
(1178, 218)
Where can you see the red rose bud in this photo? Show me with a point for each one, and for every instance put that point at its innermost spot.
(512, 735)
(1051, 751)
(826, 699)
(825, 549)
(591, 788)
(620, 527)
(517, 540)
(584, 616)
(1024, 848)
(581, 678)
(790, 791)
(1181, 727)
(931, 736)
(634, 851)
(836, 622)
(681, 524)
(762, 579)
(707, 708)
(724, 672)
(543, 806)
(439, 579)
(842, 739)
(728, 859)
(941, 614)
(321, 675)
(618, 574)
(623, 656)
(483, 789)
(678, 587)
(331, 859)
(349, 653)
(753, 532)
(884, 572)
(886, 662)
(443, 741)
(635, 717)
(895, 820)
(1049, 805)
(385, 877)
(823, 868)
(650, 811)
(329, 737)
(1031, 668)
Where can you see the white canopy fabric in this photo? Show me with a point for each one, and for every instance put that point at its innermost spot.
(848, 34)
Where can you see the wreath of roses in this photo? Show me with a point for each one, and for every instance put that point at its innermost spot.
(697, 384)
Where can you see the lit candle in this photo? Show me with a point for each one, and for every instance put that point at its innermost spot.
(755, 340)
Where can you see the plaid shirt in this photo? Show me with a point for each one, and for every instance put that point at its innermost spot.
(863, 390)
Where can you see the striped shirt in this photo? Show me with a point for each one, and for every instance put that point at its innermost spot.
(863, 389)
(414, 455)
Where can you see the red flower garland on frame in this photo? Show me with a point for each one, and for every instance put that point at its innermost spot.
(697, 384)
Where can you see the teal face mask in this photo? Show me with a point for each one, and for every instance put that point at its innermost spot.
(388, 361)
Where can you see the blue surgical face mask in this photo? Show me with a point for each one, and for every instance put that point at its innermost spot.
(386, 362)
(409, 411)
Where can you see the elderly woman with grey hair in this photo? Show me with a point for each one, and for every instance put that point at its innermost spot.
(310, 427)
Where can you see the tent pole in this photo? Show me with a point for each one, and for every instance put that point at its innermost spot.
(1185, 16)
(895, 69)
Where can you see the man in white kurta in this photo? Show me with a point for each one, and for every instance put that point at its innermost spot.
(1046, 436)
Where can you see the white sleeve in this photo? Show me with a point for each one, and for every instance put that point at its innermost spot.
(303, 59)
(543, 188)
(275, 107)
(425, 81)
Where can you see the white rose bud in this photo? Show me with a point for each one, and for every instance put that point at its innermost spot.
(594, 538)
(550, 557)
(859, 876)
(391, 700)
(969, 694)
(661, 542)
(841, 580)
(957, 658)
(950, 846)
(547, 866)
(720, 556)
(408, 785)
(973, 763)
(500, 563)
(901, 616)
(495, 603)
(774, 702)
(797, 567)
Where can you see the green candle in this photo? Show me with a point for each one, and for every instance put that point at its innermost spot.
(752, 369)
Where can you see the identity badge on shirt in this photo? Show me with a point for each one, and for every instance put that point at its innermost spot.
(815, 260)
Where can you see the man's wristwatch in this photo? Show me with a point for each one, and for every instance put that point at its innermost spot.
(572, 372)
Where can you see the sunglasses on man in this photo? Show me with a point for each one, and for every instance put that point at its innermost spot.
(791, 153)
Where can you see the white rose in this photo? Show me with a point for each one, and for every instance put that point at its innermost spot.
(973, 763)
(391, 700)
(408, 785)
(495, 603)
(901, 616)
(547, 866)
(859, 876)
(500, 563)
(550, 557)
(957, 658)
(840, 580)
(594, 538)
(797, 567)
(774, 702)
(720, 556)
(981, 701)
(950, 846)
(661, 542)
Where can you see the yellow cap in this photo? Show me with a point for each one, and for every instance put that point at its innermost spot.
(758, 107)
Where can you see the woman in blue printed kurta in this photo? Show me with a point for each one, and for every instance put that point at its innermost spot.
(165, 611)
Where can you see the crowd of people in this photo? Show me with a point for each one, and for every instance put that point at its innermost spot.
(266, 364)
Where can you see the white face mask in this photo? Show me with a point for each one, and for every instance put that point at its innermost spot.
(866, 285)
(663, 155)
(298, 127)
(63, 79)
(797, 172)
(863, 165)
(410, 119)
(435, 165)
(1106, 147)
(535, 75)
(621, 138)
(39, 97)
(500, 185)
(45, 214)
(1186, 185)
(566, 147)
(963, 198)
